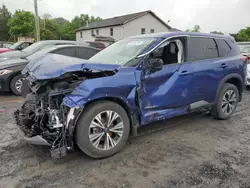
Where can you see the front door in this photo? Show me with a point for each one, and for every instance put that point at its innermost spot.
(169, 91)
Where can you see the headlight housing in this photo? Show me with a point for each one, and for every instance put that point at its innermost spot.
(5, 71)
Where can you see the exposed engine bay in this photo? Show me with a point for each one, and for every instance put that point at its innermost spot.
(43, 113)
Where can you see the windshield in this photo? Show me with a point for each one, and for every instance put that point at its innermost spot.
(39, 54)
(122, 51)
(14, 46)
(34, 47)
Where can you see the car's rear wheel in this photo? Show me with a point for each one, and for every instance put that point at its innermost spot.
(102, 129)
(226, 102)
(16, 84)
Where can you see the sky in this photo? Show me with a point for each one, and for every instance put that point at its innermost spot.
(228, 16)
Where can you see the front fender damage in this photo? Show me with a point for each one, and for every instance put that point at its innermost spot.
(50, 112)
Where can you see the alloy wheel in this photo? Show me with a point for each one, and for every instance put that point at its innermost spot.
(106, 130)
(229, 102)
(18, 84)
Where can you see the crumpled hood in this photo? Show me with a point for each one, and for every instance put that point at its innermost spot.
(13, 63)
(54, 65)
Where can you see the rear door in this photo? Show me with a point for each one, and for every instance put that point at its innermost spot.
(209, 67)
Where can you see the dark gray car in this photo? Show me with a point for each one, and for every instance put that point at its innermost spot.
(34, 48)
(11, 78)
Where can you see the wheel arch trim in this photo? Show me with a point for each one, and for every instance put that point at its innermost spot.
(225, 79)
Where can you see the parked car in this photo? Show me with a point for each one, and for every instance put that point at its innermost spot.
(17, 46)
(245, 50)
(5, 44)
(98, 103)
(95, 44)
(11, 78)
(33, 48)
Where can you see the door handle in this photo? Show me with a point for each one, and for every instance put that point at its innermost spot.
(223, 65)
(184, 72)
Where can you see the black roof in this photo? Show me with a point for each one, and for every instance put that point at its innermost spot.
(119, 20)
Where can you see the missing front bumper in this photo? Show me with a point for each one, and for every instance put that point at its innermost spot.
(35, 140)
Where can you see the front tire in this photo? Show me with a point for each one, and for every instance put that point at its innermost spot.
(16, 84)
(103, 129)
(226, 102)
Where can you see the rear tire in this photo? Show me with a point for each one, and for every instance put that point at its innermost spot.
(114, 134)
(226, 102)
(16, 84)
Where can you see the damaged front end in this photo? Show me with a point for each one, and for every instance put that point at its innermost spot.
(43, 119)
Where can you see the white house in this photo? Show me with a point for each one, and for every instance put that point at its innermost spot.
(123, 26)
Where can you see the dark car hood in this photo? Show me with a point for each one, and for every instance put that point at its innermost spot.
(12, 54)
(54, 65)
(13, 63)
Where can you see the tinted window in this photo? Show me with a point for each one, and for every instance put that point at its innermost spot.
(69, 51)
(201, 48)
(86, 53)
(223, 47)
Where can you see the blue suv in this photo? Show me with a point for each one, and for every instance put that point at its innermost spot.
(99, 102)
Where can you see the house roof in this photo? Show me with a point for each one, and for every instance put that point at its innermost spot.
(119, 20)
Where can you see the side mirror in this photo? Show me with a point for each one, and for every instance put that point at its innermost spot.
(153, 65)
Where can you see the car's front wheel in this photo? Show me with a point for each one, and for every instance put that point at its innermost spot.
(16, 84)
(103, 129)
(226, 102)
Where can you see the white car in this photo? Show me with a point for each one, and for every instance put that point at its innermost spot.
(245, 50)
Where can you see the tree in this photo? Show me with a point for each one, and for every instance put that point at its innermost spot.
(22, 23)
(46, 16)
(244, 34)
(196, 28)
(47, 34)
(61, 21)
(217, 32)
(5, 15)
(82, 20)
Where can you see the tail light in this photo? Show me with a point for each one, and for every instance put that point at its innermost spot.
(244, 58)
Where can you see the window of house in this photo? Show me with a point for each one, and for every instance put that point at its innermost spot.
(152, 31)
(81, 34)
(143, 31)
(111, 31)
(97, 32)
(201, 49)
(92, 32)
(223, 47)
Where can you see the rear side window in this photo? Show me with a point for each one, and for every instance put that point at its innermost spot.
(223, 47)
(86, 53)
(69, 51)
(201, 49)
